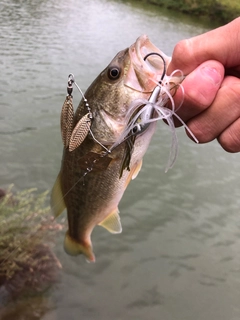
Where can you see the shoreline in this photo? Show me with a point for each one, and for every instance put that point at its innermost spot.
(221, 11)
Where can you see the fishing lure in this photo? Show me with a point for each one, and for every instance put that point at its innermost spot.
(140, 114)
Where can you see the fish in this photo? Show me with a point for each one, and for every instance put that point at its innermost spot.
(103, 147)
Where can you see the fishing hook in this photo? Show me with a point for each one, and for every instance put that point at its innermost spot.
(164, 63)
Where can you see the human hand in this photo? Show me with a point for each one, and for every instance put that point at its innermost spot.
(211, 107)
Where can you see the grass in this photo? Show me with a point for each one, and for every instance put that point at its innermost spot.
(233, 4)
(28, 265)
(222, 11)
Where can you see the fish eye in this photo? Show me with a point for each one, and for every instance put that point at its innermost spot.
(113, 73)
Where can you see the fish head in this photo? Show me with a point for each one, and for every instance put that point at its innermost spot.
(128, 77)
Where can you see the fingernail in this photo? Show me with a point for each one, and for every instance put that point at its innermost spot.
(212, 74)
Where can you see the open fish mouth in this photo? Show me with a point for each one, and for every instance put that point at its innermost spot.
(144, 74)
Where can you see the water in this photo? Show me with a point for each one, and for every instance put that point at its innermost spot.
(178, 255)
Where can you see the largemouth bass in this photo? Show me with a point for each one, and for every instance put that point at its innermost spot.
(103, 147)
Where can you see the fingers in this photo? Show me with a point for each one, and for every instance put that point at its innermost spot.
(230, 138)
(211, 107)
(222, 119)
(200, 89)
(220, 44)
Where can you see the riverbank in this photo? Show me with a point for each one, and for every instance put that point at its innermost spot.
(221, 11)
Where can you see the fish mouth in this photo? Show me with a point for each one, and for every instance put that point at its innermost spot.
(144, 74)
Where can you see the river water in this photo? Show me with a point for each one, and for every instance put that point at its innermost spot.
(178, 256)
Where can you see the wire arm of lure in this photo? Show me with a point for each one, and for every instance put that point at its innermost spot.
(71, 80)
(105, 148)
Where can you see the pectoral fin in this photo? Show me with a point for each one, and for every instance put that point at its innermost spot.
(134, 172)
(112, 223)
(137, 170)
(57, 201)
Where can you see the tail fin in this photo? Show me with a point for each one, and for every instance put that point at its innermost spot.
(74, 248)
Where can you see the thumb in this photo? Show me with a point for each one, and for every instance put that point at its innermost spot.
(200, 88)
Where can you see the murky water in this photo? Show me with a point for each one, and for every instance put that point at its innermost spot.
(178, 256)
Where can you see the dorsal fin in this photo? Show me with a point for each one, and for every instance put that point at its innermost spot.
(112, 222)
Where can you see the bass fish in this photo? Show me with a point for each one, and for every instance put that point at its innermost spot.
(106, 139)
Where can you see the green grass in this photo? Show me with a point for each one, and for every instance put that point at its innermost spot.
(221, 11)
(27, 263)
(233, 4)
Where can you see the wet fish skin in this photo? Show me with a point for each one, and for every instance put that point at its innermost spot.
(89, 185)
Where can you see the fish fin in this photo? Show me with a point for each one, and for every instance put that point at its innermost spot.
(66, 122)
(80, 132)
(57, 201)
(137, 170)
(74, 248)
(133, 173)
(112, 222)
